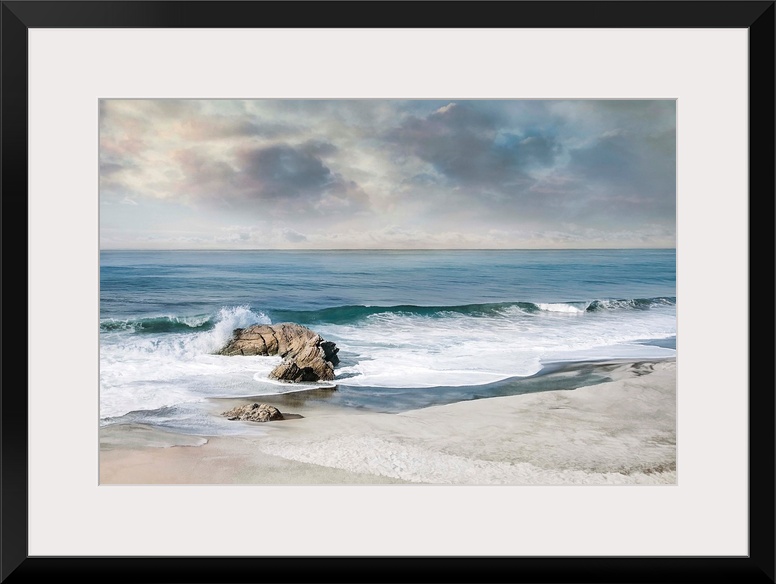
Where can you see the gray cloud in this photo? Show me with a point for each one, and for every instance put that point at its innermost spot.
(467, 147)
(319, 148)
(282, 171)
(626, 176)
(293, 236)
(405, 171)
(108, 168)
(590, 162)
(278, 180)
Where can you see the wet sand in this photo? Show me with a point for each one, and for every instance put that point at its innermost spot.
(617, 432)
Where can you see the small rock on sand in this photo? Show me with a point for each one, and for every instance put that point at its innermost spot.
(254, 413)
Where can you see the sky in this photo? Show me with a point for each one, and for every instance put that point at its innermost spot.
(387, 174)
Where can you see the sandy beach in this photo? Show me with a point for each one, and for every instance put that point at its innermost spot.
(622, 431)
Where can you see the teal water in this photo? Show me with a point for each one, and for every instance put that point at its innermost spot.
(414, 328)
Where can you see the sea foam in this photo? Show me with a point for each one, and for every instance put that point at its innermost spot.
(400, 347)
(402, 350)
(149, 372)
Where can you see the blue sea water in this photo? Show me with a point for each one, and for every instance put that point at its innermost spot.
(414, 328)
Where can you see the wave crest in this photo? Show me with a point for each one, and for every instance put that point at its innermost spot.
(158, 324)
(355, 313)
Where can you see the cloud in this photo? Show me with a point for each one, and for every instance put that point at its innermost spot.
(467, 147)
(219, 127)
(632, 177)
(283, 171)
(199, 175)
(276, 180)
(108, 168)
(319, 148)
(293, 236)
(445, 108)
(591, 161)
(398, 172)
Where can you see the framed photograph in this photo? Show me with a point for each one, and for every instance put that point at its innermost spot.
(468, 297)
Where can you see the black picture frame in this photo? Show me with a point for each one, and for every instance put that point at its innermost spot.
(19, 16)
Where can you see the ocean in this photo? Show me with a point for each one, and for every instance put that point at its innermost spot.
(414, 328)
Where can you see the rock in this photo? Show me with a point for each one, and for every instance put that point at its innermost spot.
(306, 356)
(254, 413)
(290, 371)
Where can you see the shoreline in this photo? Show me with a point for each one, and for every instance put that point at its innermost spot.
(621, 431)
(553, 376)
